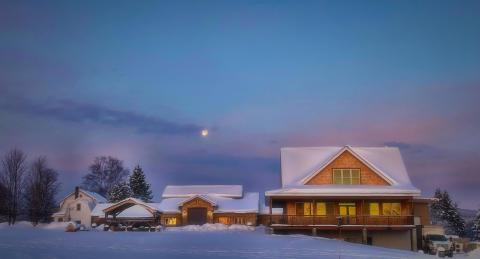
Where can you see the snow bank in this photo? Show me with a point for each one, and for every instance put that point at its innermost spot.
(54, 226)
(212, 227)
(475, 253)
(18, 224)
(27, 224)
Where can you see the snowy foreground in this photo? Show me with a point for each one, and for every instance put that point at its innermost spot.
(50, 241)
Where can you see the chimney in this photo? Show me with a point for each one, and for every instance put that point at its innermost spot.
(77, 190)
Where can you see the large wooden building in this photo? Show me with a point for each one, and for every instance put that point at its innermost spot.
(359, 194)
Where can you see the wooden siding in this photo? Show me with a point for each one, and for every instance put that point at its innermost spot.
(236, 218)
(422, 210)
(197, 203)
(347, 160)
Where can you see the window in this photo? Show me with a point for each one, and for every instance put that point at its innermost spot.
(346, 176)
(321, 209)
(347, 209)
(391, 208)
(79, 206)
(374, 208)
(303, 208)
(224, 220)
(170, 221)
(60, 220)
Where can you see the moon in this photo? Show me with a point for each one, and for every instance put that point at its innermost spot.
(204, 133)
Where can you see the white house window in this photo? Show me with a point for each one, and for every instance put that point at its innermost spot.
(346, 176)
(79, 206)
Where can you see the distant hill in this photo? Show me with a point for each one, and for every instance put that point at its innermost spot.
(467, 214)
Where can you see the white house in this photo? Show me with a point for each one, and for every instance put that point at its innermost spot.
(78, 206)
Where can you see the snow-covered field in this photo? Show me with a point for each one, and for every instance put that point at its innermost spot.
(51, 241)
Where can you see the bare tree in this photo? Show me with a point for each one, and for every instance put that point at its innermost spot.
(105, 172)
(41, 188)
(12, 178)
(3, 202)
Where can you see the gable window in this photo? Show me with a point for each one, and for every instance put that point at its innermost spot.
(391, 208)
(304, 208)
(321, 209)
(374, 209)
(79, 206)
(346, 176)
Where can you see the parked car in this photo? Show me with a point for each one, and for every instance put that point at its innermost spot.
(436, 243)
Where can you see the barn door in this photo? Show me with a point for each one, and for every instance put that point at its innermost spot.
(197, 216)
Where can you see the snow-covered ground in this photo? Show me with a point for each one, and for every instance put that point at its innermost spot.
(50, 241)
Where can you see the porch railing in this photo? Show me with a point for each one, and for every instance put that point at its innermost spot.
(339, 220)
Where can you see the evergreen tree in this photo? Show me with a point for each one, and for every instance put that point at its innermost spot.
(119, 192)
(445, 212)
(476, 227)
(139, 186)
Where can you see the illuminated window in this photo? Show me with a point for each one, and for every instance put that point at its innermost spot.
(223, 220)
(346, 176)
(374, 209)
(170, 221)
(391, 208)
(321, 208)
(304, 208)
(347, 209)
(79, 206)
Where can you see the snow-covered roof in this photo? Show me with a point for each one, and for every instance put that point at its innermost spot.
(182, 191)
(203, 197)
(345, 190)
(136, 211)
(98, 210)
(300, 164)
(98, 197)
(59, 213)
(133, 200)
(247, 204)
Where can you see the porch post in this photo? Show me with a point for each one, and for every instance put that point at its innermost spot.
(364, 235)
(270, 210)
(413, 236)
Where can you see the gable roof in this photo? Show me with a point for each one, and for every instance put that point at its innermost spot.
(202, 197)
(97, 197)
(130, 200)
(379, 172)
(298, 165)
(179, 191)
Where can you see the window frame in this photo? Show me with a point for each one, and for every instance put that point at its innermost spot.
(303, 208)
(345, 176)
(168, 221)
(377, 209)
(324, 205)
(389, 208)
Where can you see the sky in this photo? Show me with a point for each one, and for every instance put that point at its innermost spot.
(140, 80)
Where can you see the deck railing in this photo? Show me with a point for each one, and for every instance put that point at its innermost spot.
(339, 220)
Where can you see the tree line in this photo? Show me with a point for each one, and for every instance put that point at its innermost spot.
(29, 189)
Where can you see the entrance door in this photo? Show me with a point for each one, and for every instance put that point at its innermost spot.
(348, 211)
(197, 216)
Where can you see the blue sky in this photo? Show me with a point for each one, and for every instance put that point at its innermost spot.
(140, 80)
